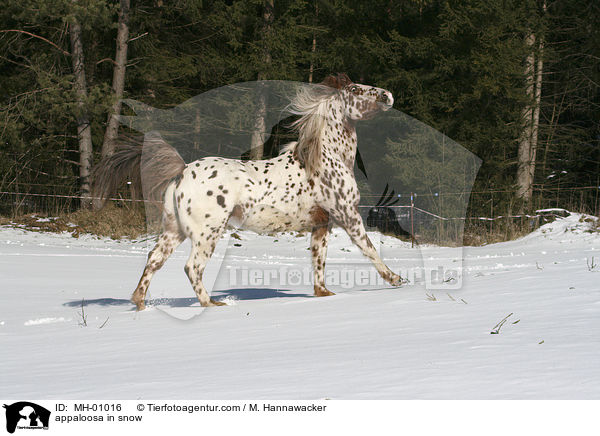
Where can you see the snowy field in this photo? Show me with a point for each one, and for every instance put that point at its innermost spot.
(406, 343)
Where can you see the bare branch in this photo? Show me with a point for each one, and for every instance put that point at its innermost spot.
(106, 60)
(138, 37)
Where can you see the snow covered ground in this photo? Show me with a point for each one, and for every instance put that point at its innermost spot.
(375, 343)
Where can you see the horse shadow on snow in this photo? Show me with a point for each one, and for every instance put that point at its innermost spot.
(237, 294)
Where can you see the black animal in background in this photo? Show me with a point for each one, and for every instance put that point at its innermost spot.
(384, 218)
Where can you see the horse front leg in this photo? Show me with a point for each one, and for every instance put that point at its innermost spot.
(351, 221)
(318, 248)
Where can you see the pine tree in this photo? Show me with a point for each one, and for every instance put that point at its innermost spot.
(570, 108)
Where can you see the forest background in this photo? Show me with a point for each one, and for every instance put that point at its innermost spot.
(514, 82)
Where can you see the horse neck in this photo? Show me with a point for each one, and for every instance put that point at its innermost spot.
(339, 140)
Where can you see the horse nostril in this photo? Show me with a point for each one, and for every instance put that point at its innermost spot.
(385, 98)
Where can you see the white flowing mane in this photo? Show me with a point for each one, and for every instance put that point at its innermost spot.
(311, 104)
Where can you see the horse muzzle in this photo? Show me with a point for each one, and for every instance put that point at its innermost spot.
(385, 100)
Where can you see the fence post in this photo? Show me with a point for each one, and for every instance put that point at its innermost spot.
(492, 214)
(412, 220)
(596, 200)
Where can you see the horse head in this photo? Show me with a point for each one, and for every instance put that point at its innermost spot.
(361, 102)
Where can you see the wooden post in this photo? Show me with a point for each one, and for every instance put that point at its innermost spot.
(596, 200)
(412, 220)
(492, 215)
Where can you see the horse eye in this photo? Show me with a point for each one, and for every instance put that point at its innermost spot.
(353, 88)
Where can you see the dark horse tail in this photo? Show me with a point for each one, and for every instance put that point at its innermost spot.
(149, 163)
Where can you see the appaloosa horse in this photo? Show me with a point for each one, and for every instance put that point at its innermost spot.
(309, 186)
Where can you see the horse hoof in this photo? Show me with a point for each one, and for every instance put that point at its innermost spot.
(322, 292)
(139, 306)
(397, 281)
(217, 303)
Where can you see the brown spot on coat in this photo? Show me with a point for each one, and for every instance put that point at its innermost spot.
(319, 216)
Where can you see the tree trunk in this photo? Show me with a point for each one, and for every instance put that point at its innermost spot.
(258, 133)
(268, 15)
(84, 132)
(312, 62)
(118, 84)
(526, 153)
(531, 118)
(536, 118)
(313, 49)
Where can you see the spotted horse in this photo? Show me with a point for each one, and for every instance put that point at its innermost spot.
(310, 186)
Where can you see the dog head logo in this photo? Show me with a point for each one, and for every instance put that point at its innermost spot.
(26, 415)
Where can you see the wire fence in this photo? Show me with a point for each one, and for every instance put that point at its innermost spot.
(588, 199)
(21, 199)
(421, 223)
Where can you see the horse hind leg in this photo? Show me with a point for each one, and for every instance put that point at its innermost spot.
(204, 241)
(170, 239)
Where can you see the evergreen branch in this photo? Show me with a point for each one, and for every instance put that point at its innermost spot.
(39, 37)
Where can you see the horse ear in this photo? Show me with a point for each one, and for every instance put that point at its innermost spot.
(394, 202)
(344, 80)
(330, 81)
